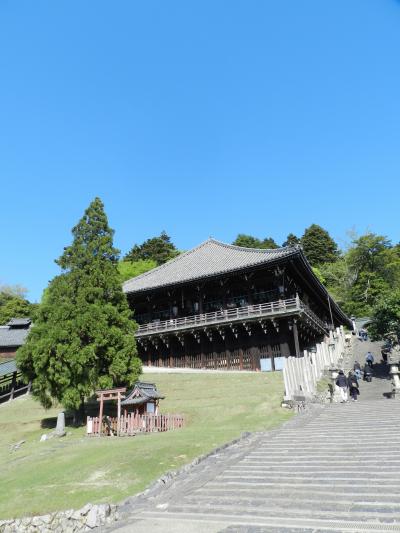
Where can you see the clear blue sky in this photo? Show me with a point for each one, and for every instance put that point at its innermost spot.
(198, 117)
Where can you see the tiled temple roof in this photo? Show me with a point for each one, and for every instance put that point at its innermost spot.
(211, 258)
(12, 337)
(7, 368)
(141, 393)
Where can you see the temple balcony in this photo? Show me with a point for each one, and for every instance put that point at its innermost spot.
(251, 313)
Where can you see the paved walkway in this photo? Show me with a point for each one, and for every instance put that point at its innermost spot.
(335, 471)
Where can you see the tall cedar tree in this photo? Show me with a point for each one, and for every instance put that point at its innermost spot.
(318, 246)
(83, 337)
(159, 249)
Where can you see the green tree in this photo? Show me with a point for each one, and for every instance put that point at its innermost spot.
(338, 279)
(248, 241)
(268, 243)
(318, 246)
(373, 265)
(15, 307)
(131, 269)
(159, 249)
(83, 336)
(386, 317)
(291, 240)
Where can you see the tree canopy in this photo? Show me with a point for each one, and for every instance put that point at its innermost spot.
(131, 269)
(158, 249)
(291, 240)
(15, 307)
(386, 317)
(318, 246)
(248, 241)
(83, 336)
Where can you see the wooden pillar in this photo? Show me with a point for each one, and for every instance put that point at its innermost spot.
(119, 414)
(255, 357)
(201, 299)
(171, 357)
(13, 384)
(202, 350)
(296, 338)
(240, 358)
(101, 413)
(214, 352)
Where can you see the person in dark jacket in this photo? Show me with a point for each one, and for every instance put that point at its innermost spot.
(367, 370)
(341, 382)
(353, 386)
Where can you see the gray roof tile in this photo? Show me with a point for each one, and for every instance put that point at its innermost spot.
(19, 322)
(10, 337)
(7, 368)
(210, 258)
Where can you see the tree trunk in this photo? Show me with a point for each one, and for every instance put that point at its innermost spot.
(79, 415)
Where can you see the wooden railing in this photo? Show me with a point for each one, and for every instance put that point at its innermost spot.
(280, 307)
(12, 385)
(132, 424)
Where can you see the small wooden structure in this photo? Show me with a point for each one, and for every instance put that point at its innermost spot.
(143, 398)
(141, 414)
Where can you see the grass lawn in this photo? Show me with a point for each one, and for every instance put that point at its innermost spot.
(67, 473)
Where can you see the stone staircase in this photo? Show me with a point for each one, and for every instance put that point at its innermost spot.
(338, 471)
(334, 469)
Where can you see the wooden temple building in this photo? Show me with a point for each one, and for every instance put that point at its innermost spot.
(221, 306)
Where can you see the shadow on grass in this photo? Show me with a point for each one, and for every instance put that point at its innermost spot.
(91, 409)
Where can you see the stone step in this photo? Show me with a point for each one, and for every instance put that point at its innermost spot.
(266, 510)
(323, 469)
(273, 504)
(305, 484)
(322, 459)
(278, 524)
(294, 513)
(342, 478)
(301, 493)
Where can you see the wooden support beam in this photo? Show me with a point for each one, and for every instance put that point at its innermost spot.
(100, 413)
(296, 338)
(13, 384)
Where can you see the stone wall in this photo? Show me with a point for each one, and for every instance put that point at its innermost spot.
(84, 519)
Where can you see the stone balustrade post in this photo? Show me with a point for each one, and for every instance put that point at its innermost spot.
(394, 360)
(335, 392)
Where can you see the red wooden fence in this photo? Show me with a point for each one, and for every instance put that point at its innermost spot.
(132, 424)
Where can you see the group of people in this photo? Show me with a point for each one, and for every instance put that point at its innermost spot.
(349, 384)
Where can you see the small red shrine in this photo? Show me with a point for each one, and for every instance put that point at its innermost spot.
(142, 399)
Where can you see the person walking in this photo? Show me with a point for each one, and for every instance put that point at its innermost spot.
(341, 382)
(367, 373)
(369, 359)
(357, 370)
(353, 385)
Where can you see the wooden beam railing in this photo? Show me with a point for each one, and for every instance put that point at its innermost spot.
(132, 424)
(12, 385)
(274, 309)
